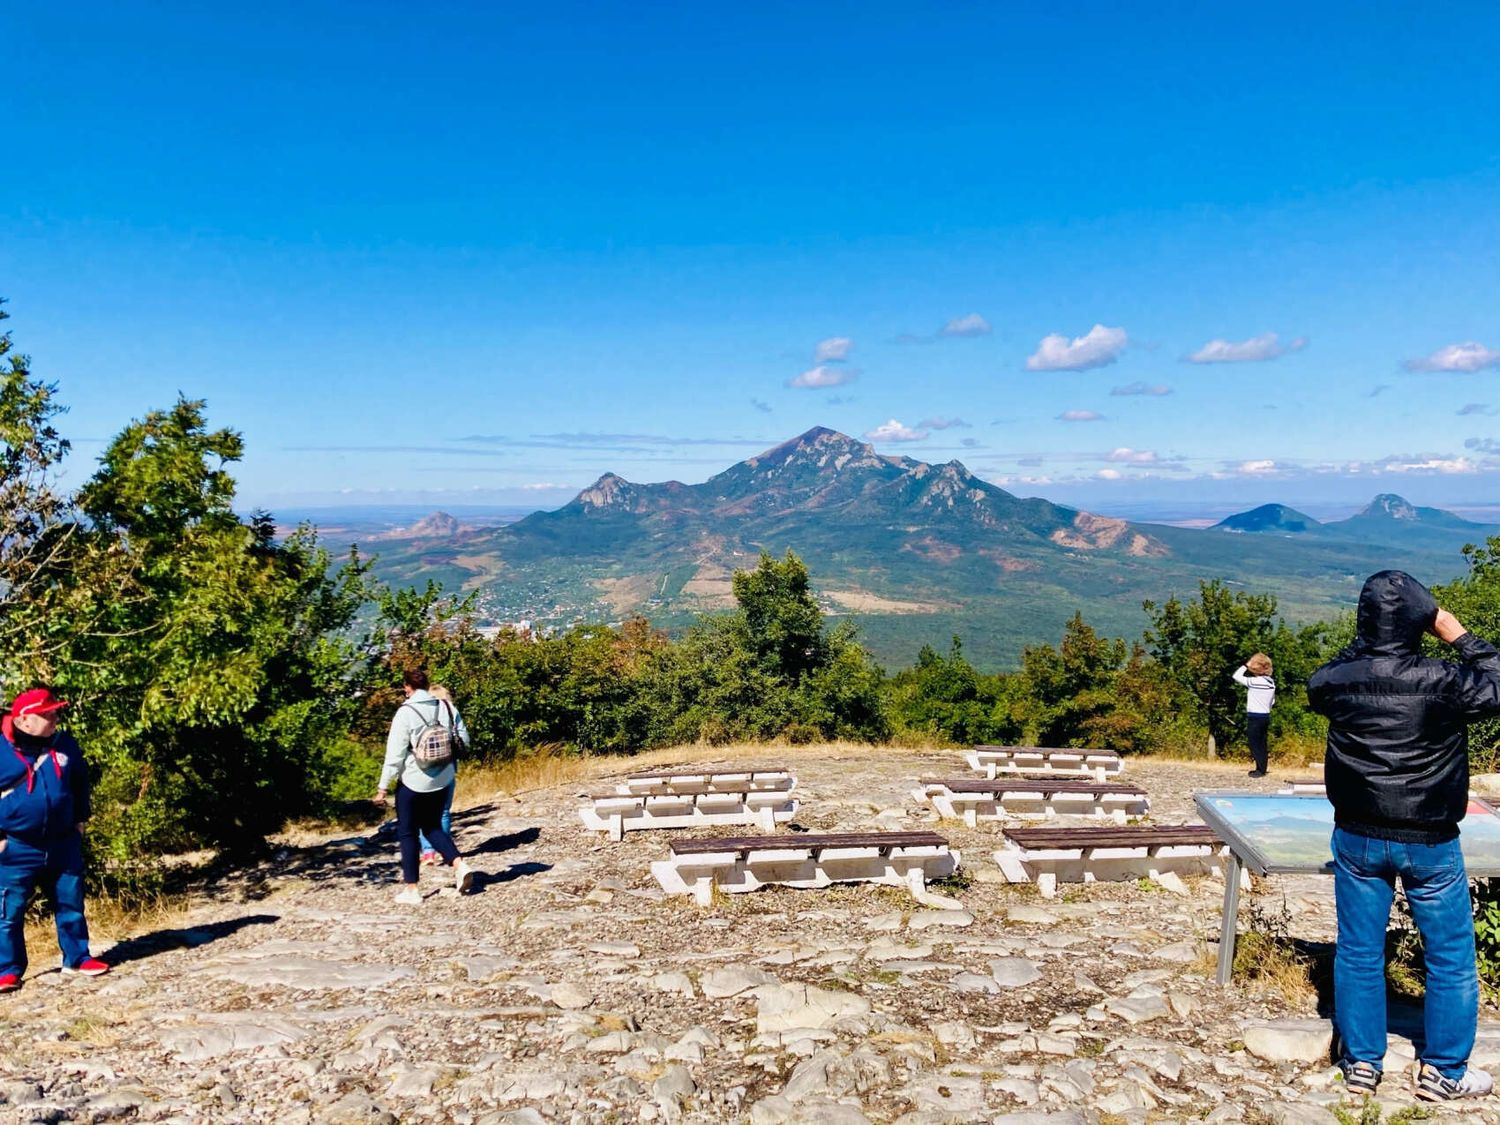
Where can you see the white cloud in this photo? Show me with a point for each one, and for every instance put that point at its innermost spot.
(1427, 464)
(1099, 348)
(763, 407)
(1256, 349)
(1261, 468)
(1128, 456)
(1141, 389)
(944, 424)
(970, 325)
(824, 376)
(895, 431)
(1467, 357)
(1080, 416)
(1473, 408)
(1108, 474)
(546, 486)
(835, 349)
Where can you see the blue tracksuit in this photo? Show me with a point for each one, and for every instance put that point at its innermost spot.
(44, 796)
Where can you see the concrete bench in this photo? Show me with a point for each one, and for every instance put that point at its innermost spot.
(618, 813)
(1296, 786)
(1019, 796)
(992, 760)
(676, 780)
(1162, 853)
(747, 863)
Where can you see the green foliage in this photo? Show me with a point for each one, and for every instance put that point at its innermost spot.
(213, 703)
(1486, 897)
(945, 697)
(770, 669)
(36, 530)
(1200, 643)
(1475, 600)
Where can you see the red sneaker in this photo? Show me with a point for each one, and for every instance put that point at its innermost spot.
(88, 967)
(9, 982)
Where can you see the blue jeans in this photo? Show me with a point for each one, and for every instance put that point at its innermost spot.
(1437, 887)
(447, 820)
(56, 866)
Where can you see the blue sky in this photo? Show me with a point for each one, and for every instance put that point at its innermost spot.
(483, 253)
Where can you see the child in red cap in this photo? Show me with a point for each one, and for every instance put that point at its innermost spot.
(44, 801)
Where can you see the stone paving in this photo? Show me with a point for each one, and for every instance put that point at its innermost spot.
(567, 988)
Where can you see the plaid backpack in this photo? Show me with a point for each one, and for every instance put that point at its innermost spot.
(434, 744)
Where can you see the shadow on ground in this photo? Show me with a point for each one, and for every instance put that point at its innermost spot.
(191, 937)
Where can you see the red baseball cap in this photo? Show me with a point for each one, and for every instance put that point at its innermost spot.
(37, 701)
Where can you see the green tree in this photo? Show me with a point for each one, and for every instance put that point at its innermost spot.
(216, 705)
(1475, 600)
(1067, 690)
(38, 531)
(1201, 642)
(783, 623)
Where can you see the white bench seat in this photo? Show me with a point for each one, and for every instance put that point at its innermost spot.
(684, 779)
(1016, 796)
(618, 813)
(737, 865)
(1161, 853)
(993, 760)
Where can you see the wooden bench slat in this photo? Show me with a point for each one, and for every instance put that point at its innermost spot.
(1153, 835)
(808, 841)
(1036, 785)
(699, 771)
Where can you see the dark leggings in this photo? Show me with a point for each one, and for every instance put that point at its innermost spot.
(421, 812)
(1255, 732)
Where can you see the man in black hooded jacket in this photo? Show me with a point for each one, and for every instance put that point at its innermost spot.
(1397, 771)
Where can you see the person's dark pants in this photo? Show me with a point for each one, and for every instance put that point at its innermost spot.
(421, 812)
(56, 867)
(1256, 727)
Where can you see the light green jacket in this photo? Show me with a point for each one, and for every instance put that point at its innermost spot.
(420, 708)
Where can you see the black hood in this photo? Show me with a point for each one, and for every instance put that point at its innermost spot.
(1394, 611)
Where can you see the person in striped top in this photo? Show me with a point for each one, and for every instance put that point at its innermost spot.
(1255, 676)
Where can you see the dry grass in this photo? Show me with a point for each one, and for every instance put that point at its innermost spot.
(111, 921)
(478, 782)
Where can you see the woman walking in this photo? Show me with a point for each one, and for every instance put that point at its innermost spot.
(1255, 676)
(414, 761)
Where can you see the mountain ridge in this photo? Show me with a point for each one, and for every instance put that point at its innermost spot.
(912, 551)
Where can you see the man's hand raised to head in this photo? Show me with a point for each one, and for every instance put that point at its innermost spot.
(1445, 627)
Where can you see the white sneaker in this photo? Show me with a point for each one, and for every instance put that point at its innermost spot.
(410, 896)
(1433, 1087)
(463, 877)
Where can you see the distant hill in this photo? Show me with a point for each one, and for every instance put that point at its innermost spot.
(1386, 521)
(1269, 519)
(914, 552)
(436, 525)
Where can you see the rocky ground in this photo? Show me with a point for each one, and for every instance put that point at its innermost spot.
(567, 988)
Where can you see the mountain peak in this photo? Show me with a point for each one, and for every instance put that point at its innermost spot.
(1273, 518)
(1391, 506)
(609, 491)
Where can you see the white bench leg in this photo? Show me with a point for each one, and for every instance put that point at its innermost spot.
(1168, 881)
(916, 883)
(767, 818)
(703, 890)
(616, 827)
(1046, 882)
(1118, 816)
(971, 817)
